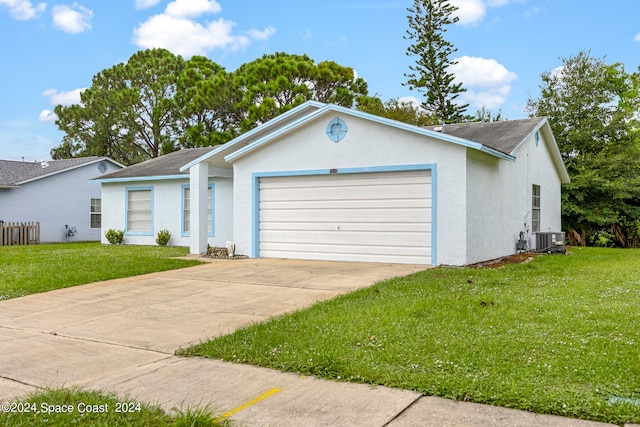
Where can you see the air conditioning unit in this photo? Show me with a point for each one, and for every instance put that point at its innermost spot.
(550, 242)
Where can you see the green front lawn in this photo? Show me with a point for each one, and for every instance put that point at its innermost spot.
(559, 335)
(28, 270)
(68, 407)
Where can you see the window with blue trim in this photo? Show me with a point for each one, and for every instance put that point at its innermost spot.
(186, 210)
(140, 210)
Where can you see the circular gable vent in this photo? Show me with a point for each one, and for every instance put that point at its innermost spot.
(336, 130)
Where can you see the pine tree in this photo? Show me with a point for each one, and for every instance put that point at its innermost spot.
(428, 20)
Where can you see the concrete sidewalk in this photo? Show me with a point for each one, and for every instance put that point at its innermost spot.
(120, 336)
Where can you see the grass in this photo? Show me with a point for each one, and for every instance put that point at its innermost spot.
(68, 407)
(28, 270)
(559, 335)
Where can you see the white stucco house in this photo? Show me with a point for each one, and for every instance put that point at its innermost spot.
(56, 193)
(328, 182)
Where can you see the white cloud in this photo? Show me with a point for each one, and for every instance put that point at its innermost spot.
(470, 12)
(59, 98)
(74, 19)
(191, 8)
(143, 4)
(261, 35)
(488, 82)
(637, 38)
(63, 98)
(23, 10)
(47, 116)
(178, 31)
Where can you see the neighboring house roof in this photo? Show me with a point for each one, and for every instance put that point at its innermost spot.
(163, 166)
(15, 173)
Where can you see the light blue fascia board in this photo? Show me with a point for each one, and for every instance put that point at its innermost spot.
(252, 132)
(536, 129)
(497, 153)
(143, 178)
(377, 119)
(183, 233)
(552, 144)
(255, 196)
(126, 211)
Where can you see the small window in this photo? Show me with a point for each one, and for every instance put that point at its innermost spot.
(535, 208)
(139, 211)
(96, 213)
(186, 210)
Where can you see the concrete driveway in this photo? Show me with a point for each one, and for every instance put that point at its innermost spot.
(107, 334)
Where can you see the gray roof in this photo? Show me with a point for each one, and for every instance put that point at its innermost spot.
(504, 136)
(13, 173)
(166, 165)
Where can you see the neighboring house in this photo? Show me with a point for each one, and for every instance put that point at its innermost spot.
(57, 193)
(328, 182)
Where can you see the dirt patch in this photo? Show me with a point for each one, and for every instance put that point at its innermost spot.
(520, 258)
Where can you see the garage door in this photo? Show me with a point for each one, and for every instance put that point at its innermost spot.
(373, 217)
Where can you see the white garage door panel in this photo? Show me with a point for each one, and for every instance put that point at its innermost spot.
(346, 237)
(346, 204)
(379, 217)
(387, 257)
(338, 216)
(348, 249)
(321, 226)
(347, 193)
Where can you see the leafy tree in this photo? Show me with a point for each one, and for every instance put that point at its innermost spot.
(428, 21)
(593, 109)
(275, 83)
(100, 125)
(129, 113)
(157, 102)
(402, 111)
(207, 99)
(486, 115)
(152, 76)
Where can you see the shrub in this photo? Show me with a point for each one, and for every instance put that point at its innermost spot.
(115, 237)
(163, 237)
(603, 239)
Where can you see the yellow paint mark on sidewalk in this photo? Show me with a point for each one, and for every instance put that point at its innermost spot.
(246, 405)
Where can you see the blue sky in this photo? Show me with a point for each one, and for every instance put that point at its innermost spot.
(51, 50)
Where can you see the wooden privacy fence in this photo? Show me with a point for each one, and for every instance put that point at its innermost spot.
(24, 233)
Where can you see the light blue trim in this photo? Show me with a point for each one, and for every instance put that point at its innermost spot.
(143, 178)
(255, 196)
(183, 233)
(252, 132)
(336, 130)
(126, 211)
(535, 131)
(377, 119)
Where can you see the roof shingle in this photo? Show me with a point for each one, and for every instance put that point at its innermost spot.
(504, 136)
(166, 165)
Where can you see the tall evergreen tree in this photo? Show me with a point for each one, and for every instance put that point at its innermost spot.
(428, 21)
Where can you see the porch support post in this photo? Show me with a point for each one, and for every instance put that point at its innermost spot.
(198, 183)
